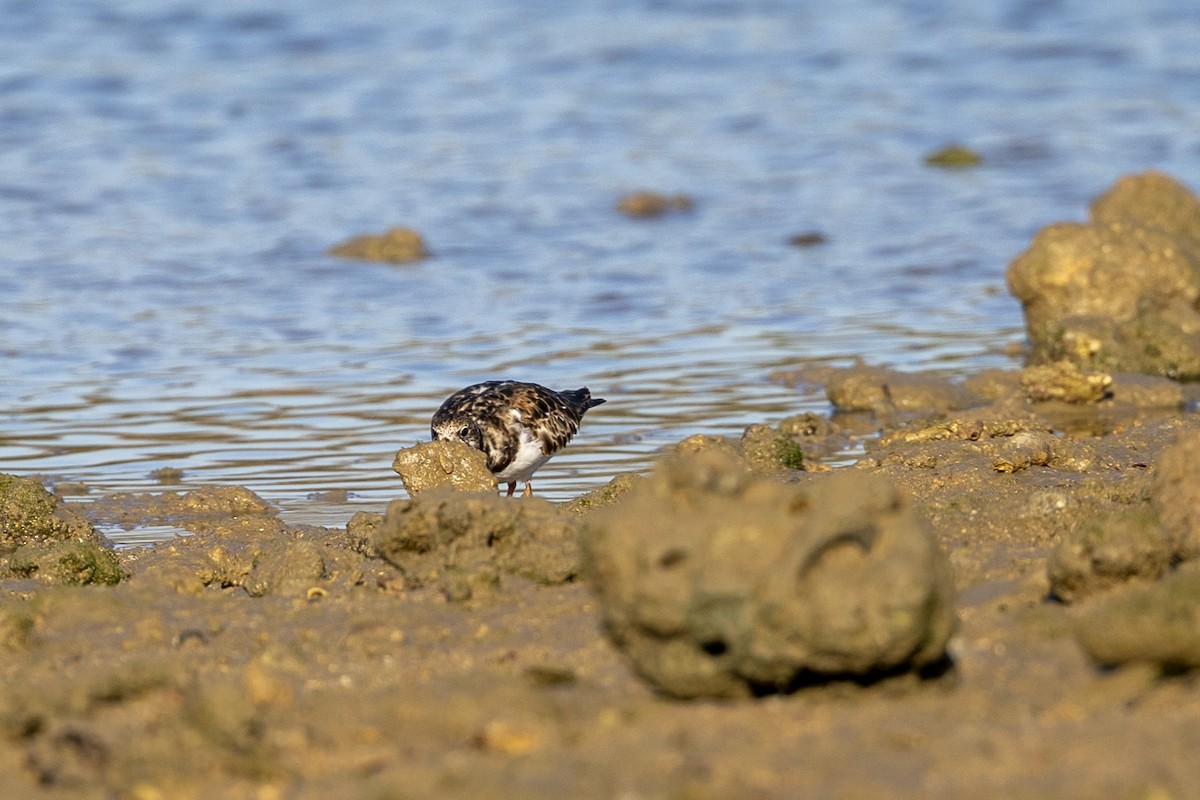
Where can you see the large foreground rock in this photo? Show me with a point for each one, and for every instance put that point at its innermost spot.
(1120, 292)
(717, 582)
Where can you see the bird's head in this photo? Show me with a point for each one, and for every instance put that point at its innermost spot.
(458, 429)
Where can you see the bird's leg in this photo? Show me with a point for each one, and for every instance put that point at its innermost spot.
(528, 490)
(512, 487)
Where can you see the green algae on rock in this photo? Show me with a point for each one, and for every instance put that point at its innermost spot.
(771, 450)
(40, 538)
(66, 563)
(1121, 292)
(717, 582)
(31, 515)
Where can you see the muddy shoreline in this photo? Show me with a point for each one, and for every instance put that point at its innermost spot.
(1035, 533)
(252, 656)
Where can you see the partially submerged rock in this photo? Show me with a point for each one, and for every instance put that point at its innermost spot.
(293, 562)
(1122, 291)
(885, 391)
(954, 155)
(718, 582)
(444, 534)
(208, 509)
(443, 465)
(396, 245)
(652, 204)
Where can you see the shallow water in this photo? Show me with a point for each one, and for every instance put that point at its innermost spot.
(171, 175)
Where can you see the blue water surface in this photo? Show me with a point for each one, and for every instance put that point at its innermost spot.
(172, 174)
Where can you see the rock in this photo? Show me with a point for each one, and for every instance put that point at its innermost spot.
(769, 450)
(208, 509)
(761, 448)
(807, 239)
(954, 155)
(1111, 551)
(31, 515)
(1065, 381)
(652, 204)
(1147, 391)
(1176, 496)
(290, 568)
(1119, 293)
(443, 465)
(1157, 624)
(884, 391)
(397, 246)
(606, 495)
(718, 582)
(66, 563)
(445, 532)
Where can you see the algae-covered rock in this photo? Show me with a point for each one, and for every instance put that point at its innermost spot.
(443, 532)
(31, 515)
(1157, 624)
(1109, 552)
(1119, 293)
(771, 450)
(443, 465)
(66, 563)
(761, 448)
(718, 582)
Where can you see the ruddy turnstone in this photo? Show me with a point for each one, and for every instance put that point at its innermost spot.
(518, 426)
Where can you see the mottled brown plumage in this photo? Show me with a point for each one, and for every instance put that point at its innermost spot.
(517, 425)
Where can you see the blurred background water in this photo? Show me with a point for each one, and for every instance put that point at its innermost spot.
(172, 173)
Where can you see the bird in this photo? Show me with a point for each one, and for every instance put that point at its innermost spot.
(517, 425)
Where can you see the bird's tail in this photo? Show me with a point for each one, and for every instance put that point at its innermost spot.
(582, 398)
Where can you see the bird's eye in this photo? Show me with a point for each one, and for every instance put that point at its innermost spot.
(464, 431)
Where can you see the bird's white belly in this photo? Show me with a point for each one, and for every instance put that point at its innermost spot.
(529, 458)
